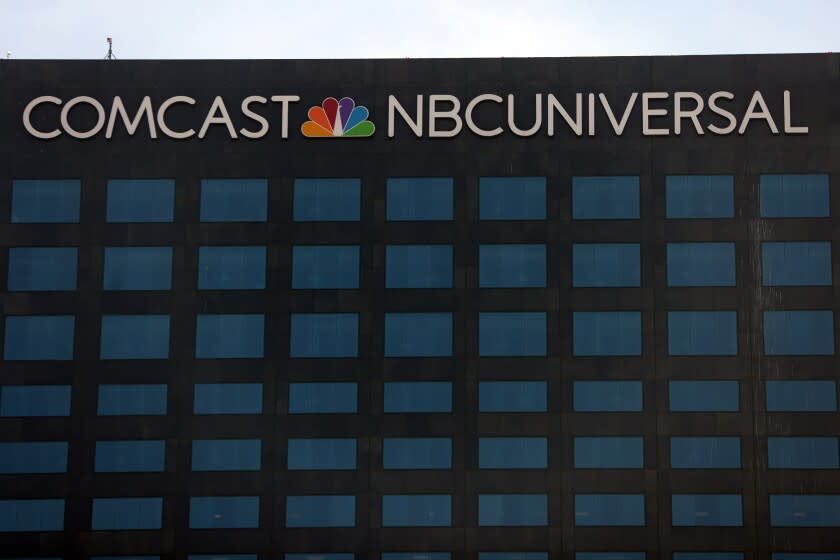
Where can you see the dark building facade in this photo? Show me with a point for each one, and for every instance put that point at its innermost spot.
(501, 309)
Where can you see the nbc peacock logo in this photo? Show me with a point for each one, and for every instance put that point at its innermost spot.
(334, 119)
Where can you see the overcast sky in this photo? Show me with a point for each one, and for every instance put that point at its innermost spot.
(416, 28)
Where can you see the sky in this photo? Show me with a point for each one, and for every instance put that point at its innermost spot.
(208, 29)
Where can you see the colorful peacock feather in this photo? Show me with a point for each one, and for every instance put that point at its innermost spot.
(338, 118)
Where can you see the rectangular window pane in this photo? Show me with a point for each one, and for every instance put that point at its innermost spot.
(33, 457)
(619, 510)
(705, 453)
(797, 333)
(801, 396)
(234, 200)
(511, 266)
(320, 511)
(609, 453)
(131, 400)
(419, 199)
(803, 510)
(138, 268)
(325, 267)
(708, 556)
(321, 556)
(226, 454)
(419, 510)
(141, 200)
(512, 510)
(512, 396)
(609, 556)
(805, 556)
(130, 456)
(231, 268)
(38, 269)
(418, 266)
(222, 557)
(225, 512)
(606, 265)
(608, 396)
(41, 201)
(802, 453)
(796, 263)
(327, 200)
(417, 453)
(699, 196)
(511, 198)
(415, 556)
(34, 400)
(418, 334)
(134, 337)
(126, 514)
(39, 337)
(605, 198)
(512, 334)
(512, 453)
(228, 398)
(706, 510)
(322, 398)
(513, 556)
(701, 264)
(418, 396)
(229, 336)
(703, 396)
(17, 516)
(794, 196)
(702, 333)
(607, 333)
(325, 335)
(321, 454)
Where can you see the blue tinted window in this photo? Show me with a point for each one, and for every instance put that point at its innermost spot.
(607, 333)
(415, 556)
(512, 396)
(796, 263)
(511, 266)
(512, 334)
(703, 396)
(512, 453)
(705, 452)
(141, 200)
(130, 456)
(222, 557)
(234, 200)
(805, 556)
(33, 457)
(706, 510)
(609, 510)
(225, 512)
(418, 334)
(609, 556)
(417, 453)
(321, 556)
(327, 200)
(418, 266)
(419, 510)
(226, 454)
(802, 453)
(229, 336)
(701, 264)
(325, 267)
(801, 510)
(39, 269)
(131, 400)
(512, 198)
(513, 510)
(702, 333)
(801, 396)
(228, 398)
(605, 265)
(31, 515)
(231, 268)
(39, 337)
(419, 199)
(322, 454)
(133, 557)
(418, 396)
(609, 453)
(699, 196)
(124, 514)
(134, 337)
(138, 268)
(608, 396)
(325, 335)
(605, 198)
(796, 333)
(794, 196)
(708, 556)
(322, 398)
(320, 511)
(513, 556)
(45, 201)
(35, 400)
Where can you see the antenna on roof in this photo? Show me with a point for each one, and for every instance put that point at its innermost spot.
(8, 55)
(110, 55)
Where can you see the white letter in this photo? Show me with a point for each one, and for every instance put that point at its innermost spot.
(469, 110)
(714, 129)
(416, 125)
(591, 114)
(647, 113)
(284, 101)
(100, 118)
(217, 106)
(161, 116)
(618, 127)
(131, 126)
(680, 114)
(789, 129)
(764, 113)
(263, 130)
(27, 112)
(537, 117)
(576, 125)
(452, 114)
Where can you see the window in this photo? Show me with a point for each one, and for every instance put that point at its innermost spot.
(141, 200)
(706, 510)
(17, 516)
(804, 510)
(609, 453)
(130, 456)
(44, 201)
(33, 457)
(794, 196)
(34, 400)
(418, 510)
(708, 556)
(512, 334)
(325, 335)
(805, 556)
(512, 396)
(325, 267)
(322, 454)
(701, 264)
(327, 200)
(225, 512)
(134, 337)
(418, 396)
(418, 334)
(419, 199)
(513, 556)
(512, 453)
(705, 453)
(417, 453)
(138, 268)
(801, 396)
(39, 337)
(609, 556)
(418, 266)
(627, 510)
(699, 196)
(415, 556)
(126, 514)
(802, 453)
(321, 556)
(796, 263)
(320, 511)
(234, 200)
(131, 400)
(512, 510)
(605, 198)
(797, 333)
(219, 557)
(322, 398)
(38, 269)
(607, 333)
(703, 396)
(511, 198)
(511, 266)
(607, 396)
(702, 333)
(229, 336)
(228, 398)
(231, 268)
(606, 265)
(226, 454)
